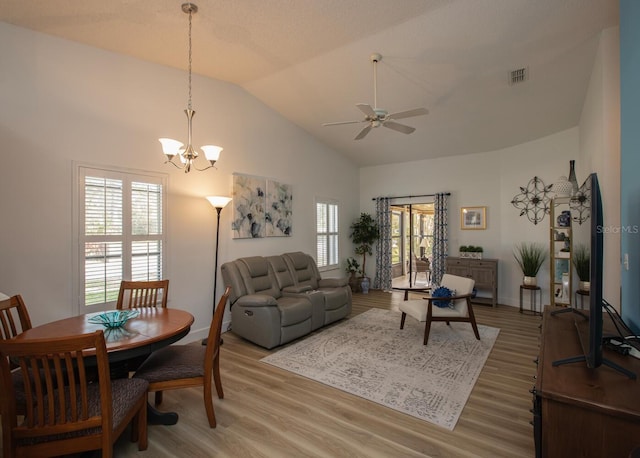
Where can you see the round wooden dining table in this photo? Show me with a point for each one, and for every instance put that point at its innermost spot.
(153, 328)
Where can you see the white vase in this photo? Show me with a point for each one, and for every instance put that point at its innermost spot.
(584, 286)
(562, 187)
(529, 281)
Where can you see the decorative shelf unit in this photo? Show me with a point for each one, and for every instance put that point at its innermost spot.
(560, 252)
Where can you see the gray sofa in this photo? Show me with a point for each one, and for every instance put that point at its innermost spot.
(277, 299)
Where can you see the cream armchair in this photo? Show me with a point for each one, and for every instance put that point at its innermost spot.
(460, 310)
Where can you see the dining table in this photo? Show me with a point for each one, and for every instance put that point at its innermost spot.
(152, 329)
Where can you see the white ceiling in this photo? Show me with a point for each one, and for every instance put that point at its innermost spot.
(309, 61)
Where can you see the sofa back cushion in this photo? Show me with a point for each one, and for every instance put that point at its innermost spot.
(281, 271)
(232, 277)
(258, 276)
(303, 268)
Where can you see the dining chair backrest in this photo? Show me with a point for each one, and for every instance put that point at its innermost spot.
(182, 366)
(59, 421)
(14, 317)
(134, 294)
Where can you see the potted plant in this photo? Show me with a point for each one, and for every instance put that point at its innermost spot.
(470, 251)
(364, 232)
(463, 251)
(353, 268)
(530, 257)
(581, 261)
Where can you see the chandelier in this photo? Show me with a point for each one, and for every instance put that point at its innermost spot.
(184, 157)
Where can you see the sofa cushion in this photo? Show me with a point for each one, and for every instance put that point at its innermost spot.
(258, 276)
(293, 310)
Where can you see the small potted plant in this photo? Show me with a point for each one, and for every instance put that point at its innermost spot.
(353, 268)
(464, 251)
(364, 232)
(530, 257)
(476, 252)
(581, 261)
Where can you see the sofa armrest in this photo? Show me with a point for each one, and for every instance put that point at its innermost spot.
(333, 282)
(256, 300)
(297, 289)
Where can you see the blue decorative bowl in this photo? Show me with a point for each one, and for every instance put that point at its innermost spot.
(113, 318)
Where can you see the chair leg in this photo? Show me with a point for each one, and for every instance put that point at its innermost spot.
(142, 427)
(427, 328)
(472, 318)
(216, 376)
(208, 403)
(158, 398)
(404, 316)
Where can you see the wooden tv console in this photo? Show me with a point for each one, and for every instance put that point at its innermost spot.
(580, 411)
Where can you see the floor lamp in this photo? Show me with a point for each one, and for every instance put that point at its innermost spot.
(218, 202)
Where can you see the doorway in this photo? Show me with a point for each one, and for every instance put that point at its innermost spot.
(411, 244)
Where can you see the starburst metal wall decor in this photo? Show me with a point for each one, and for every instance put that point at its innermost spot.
(533, 200)
(580, 203)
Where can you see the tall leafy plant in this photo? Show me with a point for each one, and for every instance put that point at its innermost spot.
(364, 232)
(530, 257)
(581, 261)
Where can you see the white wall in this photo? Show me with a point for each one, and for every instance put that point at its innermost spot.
(490, 179)
(62, 102)
(600, 149)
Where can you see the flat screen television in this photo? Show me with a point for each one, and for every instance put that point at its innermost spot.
(591, 334)
(593, 353)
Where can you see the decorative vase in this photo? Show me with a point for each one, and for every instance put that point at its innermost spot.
(354, 284)
(572, 178)
(563, 187)
(365, 285)
(529, 281)
(584, 286)
(564, 219)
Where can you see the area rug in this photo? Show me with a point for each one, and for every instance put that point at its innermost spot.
(371, 357)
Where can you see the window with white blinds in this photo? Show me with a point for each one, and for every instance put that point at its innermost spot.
(120, 231)
(326, 234)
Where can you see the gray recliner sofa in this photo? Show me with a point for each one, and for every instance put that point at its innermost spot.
(277, 299)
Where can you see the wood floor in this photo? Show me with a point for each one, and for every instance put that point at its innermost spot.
(268, 412)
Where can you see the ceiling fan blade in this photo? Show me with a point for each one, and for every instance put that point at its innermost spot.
(366, 109)
(342, 122)
(363, 132)
(409, 113)
(399, 127)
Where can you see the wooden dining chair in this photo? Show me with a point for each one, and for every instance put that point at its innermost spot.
(14, 317)
(65, 413)
(134, 294)
(185, 366)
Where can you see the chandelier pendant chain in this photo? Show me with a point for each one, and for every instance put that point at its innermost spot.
(190, 17)
(180, 155)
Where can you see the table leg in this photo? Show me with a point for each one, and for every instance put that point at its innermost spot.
(156, 417)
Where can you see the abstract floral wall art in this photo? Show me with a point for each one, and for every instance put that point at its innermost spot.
(249, 202)
(279, 209)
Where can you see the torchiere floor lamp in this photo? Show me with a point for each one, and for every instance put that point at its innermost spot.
(218, 202)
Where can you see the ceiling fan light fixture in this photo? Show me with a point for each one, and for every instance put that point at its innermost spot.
(376, 117)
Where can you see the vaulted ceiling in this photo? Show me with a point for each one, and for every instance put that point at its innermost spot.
(310, 61)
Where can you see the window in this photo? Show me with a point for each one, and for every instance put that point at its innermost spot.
(327, 234)
(120, 227)
(396, 237)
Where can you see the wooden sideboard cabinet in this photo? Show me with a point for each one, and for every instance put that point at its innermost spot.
(579, 411)
(483, 271)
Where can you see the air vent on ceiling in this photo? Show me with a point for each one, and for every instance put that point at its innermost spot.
(519, 75)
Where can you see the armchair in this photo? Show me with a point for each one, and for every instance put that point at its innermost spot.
(460, 310)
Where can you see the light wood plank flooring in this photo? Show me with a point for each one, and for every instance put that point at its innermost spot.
(268, 412)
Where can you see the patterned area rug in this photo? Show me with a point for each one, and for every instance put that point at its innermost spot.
(369, 356)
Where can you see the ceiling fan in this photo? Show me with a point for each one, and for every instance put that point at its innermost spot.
(376, 117)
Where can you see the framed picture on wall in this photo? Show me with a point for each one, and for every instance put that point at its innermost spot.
(473, 217)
